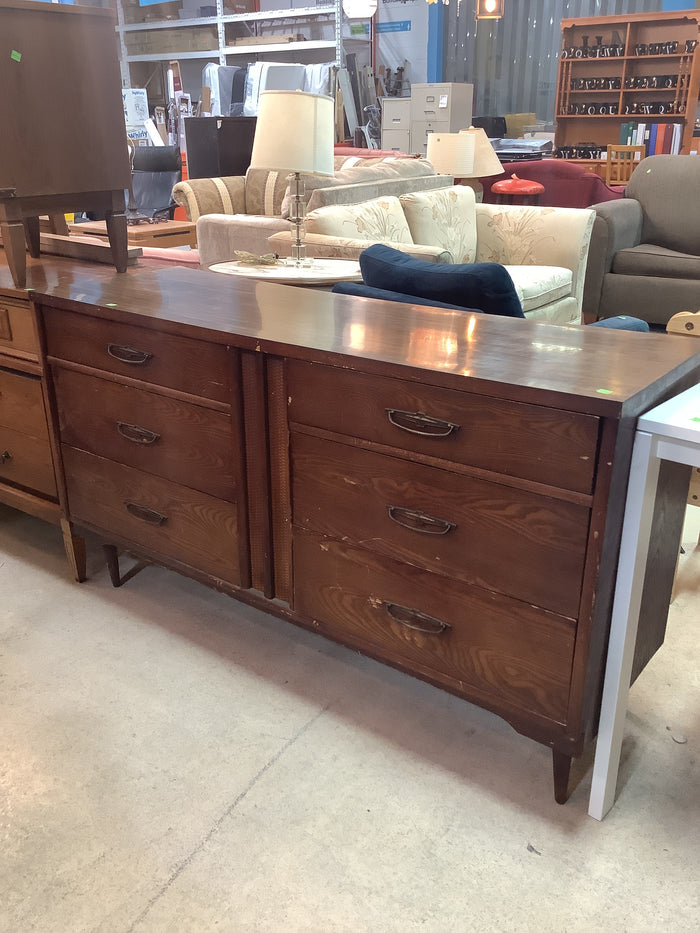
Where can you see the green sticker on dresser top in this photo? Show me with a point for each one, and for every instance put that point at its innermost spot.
(16, 56)
(604, 391)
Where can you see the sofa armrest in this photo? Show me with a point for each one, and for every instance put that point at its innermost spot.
(325, 246)
(618, 225)
(536, 236)
(211, 196)
(220, 235)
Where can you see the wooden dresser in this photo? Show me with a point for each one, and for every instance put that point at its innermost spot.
(441, 491)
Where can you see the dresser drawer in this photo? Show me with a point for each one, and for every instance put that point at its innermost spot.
(192, 366)
(174, 439)
(491, 649)
(26, 461)
(164, 518)
(509, 540)
(17, 334)
(22, 403)
(533, 442)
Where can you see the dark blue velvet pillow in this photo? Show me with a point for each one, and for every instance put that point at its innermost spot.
(623, 322)
(366, 291)
(485, 286)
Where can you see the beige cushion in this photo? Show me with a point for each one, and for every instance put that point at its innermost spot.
(211, 196)
(540, 285)
(264, 191)
(445, 217)
(379, 219)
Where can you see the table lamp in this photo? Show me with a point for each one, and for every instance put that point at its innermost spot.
(451, 154)
(486, 162)
(295, 133)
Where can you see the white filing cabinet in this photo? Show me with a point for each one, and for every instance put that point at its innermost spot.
(396, 123)
(438, 108)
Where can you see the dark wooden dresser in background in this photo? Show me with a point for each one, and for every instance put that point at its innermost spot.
(441, 491)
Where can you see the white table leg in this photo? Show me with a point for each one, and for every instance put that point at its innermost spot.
(634, 547)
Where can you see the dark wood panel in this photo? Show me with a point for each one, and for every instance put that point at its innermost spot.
(192, 366)
(182, 442)
(533, 442)
(22, 403)
(503, 539)
(491, 647)
(26, 461)
(160, 516)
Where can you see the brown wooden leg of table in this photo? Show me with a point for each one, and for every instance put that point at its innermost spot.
(15, 250)
(75, 551)
(32, 236)
(561, 767)
(58, 224)
(117, 233)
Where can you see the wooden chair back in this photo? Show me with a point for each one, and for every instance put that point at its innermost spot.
(621, 162)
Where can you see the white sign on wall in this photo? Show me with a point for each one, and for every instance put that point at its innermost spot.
(402, 38)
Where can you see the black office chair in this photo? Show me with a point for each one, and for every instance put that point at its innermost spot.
(154, 172)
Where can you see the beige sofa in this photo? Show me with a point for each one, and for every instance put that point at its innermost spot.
(241, 212)
(544, 249)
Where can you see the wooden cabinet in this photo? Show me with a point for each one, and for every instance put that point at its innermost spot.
(441, 491)
(637, 68)
(150, 426)
(28, 478)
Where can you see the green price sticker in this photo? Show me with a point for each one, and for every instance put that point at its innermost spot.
(16, 56)
(604, 391)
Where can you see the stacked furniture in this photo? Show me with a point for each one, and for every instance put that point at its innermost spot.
(644, 258)
(438, 490)
(544, 249)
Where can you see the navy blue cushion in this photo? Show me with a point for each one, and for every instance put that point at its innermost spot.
(485, 286)
(366, 291)
(622, 322)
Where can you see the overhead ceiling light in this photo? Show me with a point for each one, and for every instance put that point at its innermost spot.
(489, 9)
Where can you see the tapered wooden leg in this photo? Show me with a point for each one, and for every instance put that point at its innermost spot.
(32, 235)
(15, 250)
(118, 239)
(75, 551)
(112, 558)
(561, 767)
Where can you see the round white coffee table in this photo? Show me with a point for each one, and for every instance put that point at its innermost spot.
(321, 272)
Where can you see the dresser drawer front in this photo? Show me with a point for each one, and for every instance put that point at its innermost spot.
(17, 333)
(26, 461)
(191, 366)
(529, 441)
(22, 403)
(174, 439)
(509, 540)
(499, 652)
(166, 519)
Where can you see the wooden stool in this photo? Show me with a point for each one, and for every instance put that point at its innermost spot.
(516, 190)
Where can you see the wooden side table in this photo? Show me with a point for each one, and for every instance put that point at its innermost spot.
(166, 233)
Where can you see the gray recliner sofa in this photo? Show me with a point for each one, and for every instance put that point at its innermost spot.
(644, 257)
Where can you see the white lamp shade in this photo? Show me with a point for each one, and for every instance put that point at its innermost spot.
(294, 133)
(359, 9)
(486, 162)
(451, 154)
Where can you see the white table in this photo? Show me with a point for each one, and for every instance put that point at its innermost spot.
(670, 431)
(320, 272)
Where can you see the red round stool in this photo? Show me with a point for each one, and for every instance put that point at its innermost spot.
(516, 190)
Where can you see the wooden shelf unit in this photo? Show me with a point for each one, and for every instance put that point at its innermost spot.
(679, 69)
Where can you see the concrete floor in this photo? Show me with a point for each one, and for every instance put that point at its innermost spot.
(172, 760)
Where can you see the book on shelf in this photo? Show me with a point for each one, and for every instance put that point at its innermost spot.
(657, 138)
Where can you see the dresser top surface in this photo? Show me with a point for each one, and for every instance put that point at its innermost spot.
(595, 369)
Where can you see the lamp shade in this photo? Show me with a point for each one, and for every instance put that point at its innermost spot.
(486, 162)
(451, 154)
(294, 133)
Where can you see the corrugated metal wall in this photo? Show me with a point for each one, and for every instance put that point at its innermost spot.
(513, 62)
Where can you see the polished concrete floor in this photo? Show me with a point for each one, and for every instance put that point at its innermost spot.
(171, 760)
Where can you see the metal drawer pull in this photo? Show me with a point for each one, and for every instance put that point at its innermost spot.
(417, 422)
(417, 620)
(137, 434)
(145, 515)
(419, 521)
(128, 354)
(5, 456)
